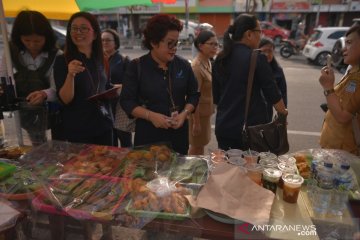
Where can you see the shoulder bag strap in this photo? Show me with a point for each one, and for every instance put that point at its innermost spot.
(250, 84)
(356, 130)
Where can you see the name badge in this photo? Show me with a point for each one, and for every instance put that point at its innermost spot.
(351, 87)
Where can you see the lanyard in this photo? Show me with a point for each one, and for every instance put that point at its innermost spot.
(169, 90)
(96, 81)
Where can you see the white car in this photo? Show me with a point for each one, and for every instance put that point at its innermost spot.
(189, 34)
(321, 43)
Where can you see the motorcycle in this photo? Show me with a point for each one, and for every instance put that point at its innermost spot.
(289, 47)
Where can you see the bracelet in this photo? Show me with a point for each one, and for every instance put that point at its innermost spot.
(328, 92)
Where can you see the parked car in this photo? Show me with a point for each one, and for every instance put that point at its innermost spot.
(321, 43)
(274, 32)
(193, 28)
(337, 54)
(189, 33)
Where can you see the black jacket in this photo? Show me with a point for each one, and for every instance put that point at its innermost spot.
(229, 92)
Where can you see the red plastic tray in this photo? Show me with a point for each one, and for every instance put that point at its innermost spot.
(38, 203)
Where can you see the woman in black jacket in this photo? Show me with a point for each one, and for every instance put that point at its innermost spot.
(165, 91)
(230, 77)
(267, 47)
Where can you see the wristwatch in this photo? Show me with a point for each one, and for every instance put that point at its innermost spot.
(328, 92)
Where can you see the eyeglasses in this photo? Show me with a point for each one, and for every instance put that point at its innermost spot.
(213, 44)
(81, 29)
(107, 40)
(172, 43)
(256, 30)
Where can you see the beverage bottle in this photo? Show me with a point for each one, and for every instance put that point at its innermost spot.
(343, 178)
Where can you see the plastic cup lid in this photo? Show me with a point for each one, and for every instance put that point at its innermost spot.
(267, 155)
(268, 163)
(272, 172)
(234, 152)
(293, 180)
(237, 161)
(251, 153)
(286, 167)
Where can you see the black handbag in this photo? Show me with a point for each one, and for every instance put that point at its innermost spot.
(264, 137)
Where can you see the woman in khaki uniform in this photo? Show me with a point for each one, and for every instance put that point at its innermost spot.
(199, 125)
(343, 100)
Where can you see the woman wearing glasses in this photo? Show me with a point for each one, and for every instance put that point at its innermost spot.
(267, 47)
(160, 88)
(115, 68)
(230, 77)
(79, 74)
(207, 46)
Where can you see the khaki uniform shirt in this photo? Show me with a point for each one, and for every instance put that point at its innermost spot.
(202, 71)
(340, 135)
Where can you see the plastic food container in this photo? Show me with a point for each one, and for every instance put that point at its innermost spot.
(6, 169)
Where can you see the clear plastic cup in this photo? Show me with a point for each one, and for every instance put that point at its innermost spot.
(234, 153)
(251, 156)
(238, 161)
(254, 172)
(268, 163)
(270, 178)
(286, 159)
(292, 185)
(267, 155)
(284, 168)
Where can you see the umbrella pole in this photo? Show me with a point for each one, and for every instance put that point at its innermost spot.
(9, 71)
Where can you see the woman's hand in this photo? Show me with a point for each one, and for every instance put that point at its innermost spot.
(178, 121)
(196, 129)
(159, 120)
(327, 78)
(36, 97)
(75, 67)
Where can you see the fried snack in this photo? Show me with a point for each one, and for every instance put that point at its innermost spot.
(178, 203)
(148, 155)
(134, 155)
(136, 184)
(300, 158)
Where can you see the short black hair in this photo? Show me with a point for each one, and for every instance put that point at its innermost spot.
(203, 36)
(158, 26)
(115, 35)
(32, 22)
